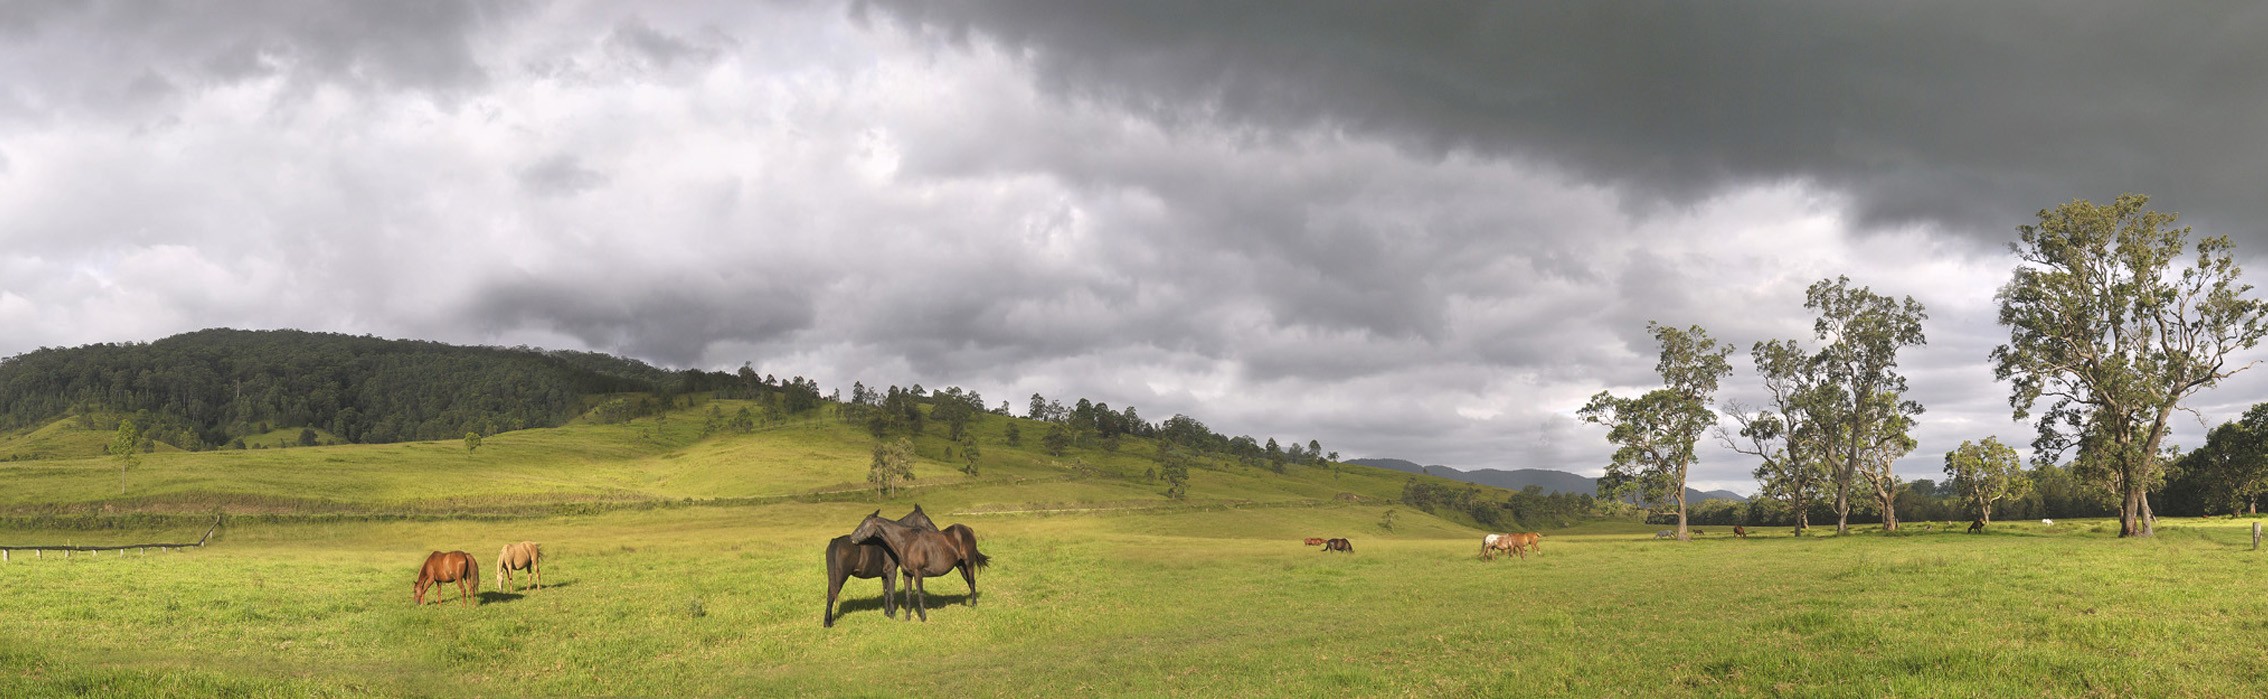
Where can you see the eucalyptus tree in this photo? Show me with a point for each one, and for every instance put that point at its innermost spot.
(1655, 432)
(1986, 472)
(2114, 319)
(2233, 464)
(1786, 434)
(1883, 444)
(1862, 332)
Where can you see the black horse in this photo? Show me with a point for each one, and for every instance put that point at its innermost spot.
(924, 553)
(1339, 545)
(846, 560)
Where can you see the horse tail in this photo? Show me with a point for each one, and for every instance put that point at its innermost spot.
(976, 558)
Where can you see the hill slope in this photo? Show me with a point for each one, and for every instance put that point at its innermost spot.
(1516, 479)
(208, 387)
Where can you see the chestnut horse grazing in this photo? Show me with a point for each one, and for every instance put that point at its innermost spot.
(527, 556)
(1330, 545)
(1742, 532)
(1314, 541)
(922, 553)
(455, 566)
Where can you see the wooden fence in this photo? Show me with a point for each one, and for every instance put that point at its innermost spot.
(40, 550)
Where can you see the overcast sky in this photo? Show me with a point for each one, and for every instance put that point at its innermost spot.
(1418, 230)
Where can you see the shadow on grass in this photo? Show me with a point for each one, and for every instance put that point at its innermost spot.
(843, 607)
(495, 597)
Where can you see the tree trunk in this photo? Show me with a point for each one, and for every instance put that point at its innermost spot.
(1842, 504)
(2149, 519)
(2126, 511)
(1681, 534)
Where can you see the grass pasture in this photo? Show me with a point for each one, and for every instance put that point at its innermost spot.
(1126, 594)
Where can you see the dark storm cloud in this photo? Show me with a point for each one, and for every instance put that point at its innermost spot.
(1973, 115)
(667, 317)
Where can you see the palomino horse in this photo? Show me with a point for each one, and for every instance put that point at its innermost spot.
(921, 554)
(455, 566)
(1330, 545)
(527, 556)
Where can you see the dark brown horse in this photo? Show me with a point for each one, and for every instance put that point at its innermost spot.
(1976, 526)
(846, 559)
(923, 553)
(1740, 531)
(455, 566)
(1338, 545)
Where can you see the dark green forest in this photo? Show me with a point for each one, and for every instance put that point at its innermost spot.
(204, 389)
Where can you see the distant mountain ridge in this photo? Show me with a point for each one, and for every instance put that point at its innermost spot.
(1516, 479)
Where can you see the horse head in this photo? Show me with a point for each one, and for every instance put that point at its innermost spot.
(868, 529)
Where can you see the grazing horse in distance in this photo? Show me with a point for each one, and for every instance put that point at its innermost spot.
(1665, 534)
(1976, 526)
(1313, 541)
(527, 556)
(1742, 532)
(921, 554)
(1343, 545)
(455, 566)
(1487, 546)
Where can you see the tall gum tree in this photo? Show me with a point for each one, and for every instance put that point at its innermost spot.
(1655, 433)
(2112, 329)
(1862, 332)
(1784, 435)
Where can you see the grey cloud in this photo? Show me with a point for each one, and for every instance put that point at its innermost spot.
(560, 175)
(659, 49)
(1968, 115)
(666, 316)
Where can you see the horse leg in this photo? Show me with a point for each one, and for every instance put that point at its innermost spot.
(889, 595)
(921, 597)
(834, 587)
(968, 573)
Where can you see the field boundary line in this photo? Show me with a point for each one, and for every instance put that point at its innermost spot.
(5, 550)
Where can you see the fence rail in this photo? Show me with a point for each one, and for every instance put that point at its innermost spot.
(40, 549)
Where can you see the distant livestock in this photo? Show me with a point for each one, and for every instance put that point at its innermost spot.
(1740, 531)
(1976, 526)
(1314, 541)
(1341, 545)
(2048, 522)
(1666, 534)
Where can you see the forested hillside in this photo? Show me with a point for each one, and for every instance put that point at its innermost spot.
(206, 388)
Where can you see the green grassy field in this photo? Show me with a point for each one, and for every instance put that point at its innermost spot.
(1125, 594)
